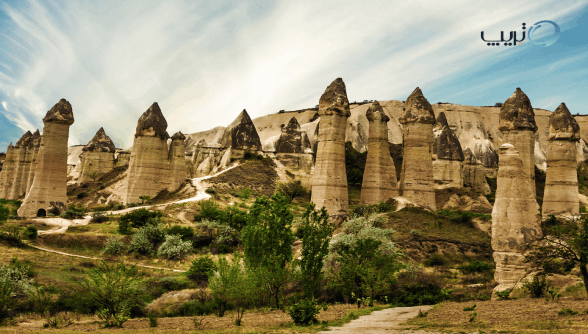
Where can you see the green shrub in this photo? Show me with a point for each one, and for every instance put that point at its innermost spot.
(537, 286)
(417, 287)
(210, 191)
(173, 248)
(82, 195)
(201, 269)
(435, 260)
(475, 266)
(114, 246)
(469, 308)
(30, 232)
(99, 217)
(152, 319)
(185, 232)
(147, 238)
(503, 295)
(304, 312)
(74, 212)
(368, 210)
(583, 209)
(567, 311)
(139, 218)
(209, 210)
(291, 189)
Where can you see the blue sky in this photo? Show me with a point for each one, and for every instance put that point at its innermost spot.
(204, 61)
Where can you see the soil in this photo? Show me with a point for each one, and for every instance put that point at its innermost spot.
(257, 175)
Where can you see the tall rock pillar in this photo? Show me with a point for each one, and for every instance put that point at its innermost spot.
(23, 165)
(148, 172)
(48, 193)
(447, 156)
(517, 124)
(329, 183)
(379, 178)
(516, 222)
(97, 157)
(561, 183)
(8, 170)
(177, 160)
(35, 145)
(416, 180)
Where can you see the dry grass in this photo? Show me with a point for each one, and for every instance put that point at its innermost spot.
(519, 316)
(257, 321)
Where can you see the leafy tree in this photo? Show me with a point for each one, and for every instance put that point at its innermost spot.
(233, 285)
(4, 213)
(201, 269)
(267, 241)
(116, 289)
(291, 189)
(94, 176)
(317, 233)
(566, 247)
(145, 198)
(13, 282)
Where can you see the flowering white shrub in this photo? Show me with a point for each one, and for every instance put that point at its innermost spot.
(174, 247)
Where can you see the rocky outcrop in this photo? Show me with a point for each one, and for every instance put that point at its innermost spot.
(474, 175)
(97, 157)
(150, 164)
(561, 182)
(20, 160)
(48, 193)
(8, 171)
(329, 183)
(123, 157)
(379, 178)
(447, 156)
(177, 161)
(35, 144)
(516, 222)
(517, 123)
(293, 139)
(416, 180)
(241, 136)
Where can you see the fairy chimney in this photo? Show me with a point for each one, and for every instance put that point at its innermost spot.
(293, 139)
(517, 124)
(148, 171)
(177, 161)
(48, 193)
(474, 175)
(35, 145)
(447, 156)
(241, 135)
(516, 222)
(379, 177)
(329, 183)
(561, 184)
(97, 157)
(416, 180)
(8, 171)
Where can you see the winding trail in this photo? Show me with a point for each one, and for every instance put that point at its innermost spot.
(388, 321)
(61, 225)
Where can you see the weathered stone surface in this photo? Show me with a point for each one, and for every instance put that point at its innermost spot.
(474, 175)
(100, 143)
(447, 156)
(97, 157)
(379, 178)
(8, 171)
(293, 139)
(517, 123)
(23, 152)
(329, 183)
(516, 222)
(152, 123)
(152, 166)
(60, 113)
(561, 183)
(48, 191)
(36, 144)
(123, 157)
(416, 180)
(241, 134)
(177, 161)
(417, 109)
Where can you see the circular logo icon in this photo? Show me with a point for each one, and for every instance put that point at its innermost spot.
(544, 33)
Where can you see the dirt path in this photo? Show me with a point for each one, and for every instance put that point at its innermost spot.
(385, 321)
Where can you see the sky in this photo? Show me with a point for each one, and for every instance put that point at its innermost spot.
(205, 61)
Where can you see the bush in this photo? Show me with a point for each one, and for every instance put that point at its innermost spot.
(201, 269)
(567, 311)
(209, 210)
(304, 312)
(147, 238)
(173, 248)
(99, 218)
(30, 232)
(537, 286)
(74, 212)
(82, 195)
(114, 246)
(291, 189)
(475, 266)
(14, 283)
(368, 210)
(139, 218)
(435, 260)
(210, 191)
(185, 232)
(417, 287)
(502, 295)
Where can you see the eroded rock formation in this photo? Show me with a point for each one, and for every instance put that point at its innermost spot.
(123, 157)
(15, 179)
(293, 153)
(177, 161)
(447, 156)
(416, 180)
(517, 123)
(379, 177)
(516, 222)
(474, 175)
(561, 183)
(241, 136)
(48, 193)
(329, 183)
(151, 163)
(97, 157)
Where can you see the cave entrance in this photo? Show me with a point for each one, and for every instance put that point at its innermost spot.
(41, 213)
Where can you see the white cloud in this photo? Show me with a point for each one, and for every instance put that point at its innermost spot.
(204, 62)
